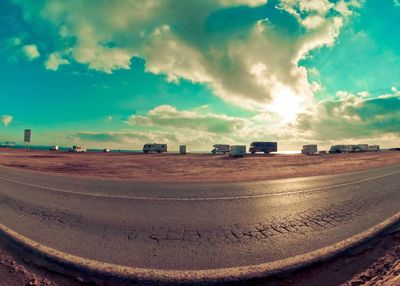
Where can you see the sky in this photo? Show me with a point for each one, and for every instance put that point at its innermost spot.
(122, 73)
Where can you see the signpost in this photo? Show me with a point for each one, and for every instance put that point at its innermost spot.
(27, 138)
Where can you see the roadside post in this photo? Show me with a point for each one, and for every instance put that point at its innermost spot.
(27, 139)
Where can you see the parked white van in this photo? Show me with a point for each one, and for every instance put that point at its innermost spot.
(221, 149)
(154, 147)
(237, 151)
(309, 149)
(373, 148)
(78, 149)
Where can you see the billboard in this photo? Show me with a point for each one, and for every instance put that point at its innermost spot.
(27, 136)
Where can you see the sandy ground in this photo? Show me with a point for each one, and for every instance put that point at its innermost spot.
(193, 167)
(377, 263)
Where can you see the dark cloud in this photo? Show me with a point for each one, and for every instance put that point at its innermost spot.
(353, 116)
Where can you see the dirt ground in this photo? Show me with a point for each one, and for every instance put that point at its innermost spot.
(193, 167)
(13, 273)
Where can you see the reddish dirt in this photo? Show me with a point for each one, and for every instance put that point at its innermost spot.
(193, 167)
(13, 273)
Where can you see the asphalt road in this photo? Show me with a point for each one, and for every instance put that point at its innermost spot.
(195, 226)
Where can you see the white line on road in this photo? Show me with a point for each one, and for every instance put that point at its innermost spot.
(194, 198)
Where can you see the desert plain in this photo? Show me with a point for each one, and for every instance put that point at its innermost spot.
(170, 167)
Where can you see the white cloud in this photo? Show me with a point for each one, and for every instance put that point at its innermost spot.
(201, 129)
(31, 52)
(352, 116)
(54, 61)
(6, 119)
(346, 119)
(198, 119)
(175, 42)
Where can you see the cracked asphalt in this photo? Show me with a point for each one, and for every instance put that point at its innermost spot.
(192, 225)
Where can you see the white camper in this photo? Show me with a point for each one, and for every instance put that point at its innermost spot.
(78, 149)
(373, 148)
(362, 147)
(54, 148)
(339, 149)
(220, 149)
(154, 147)
(237, 151)
(357, 148)
(183, 149)
(106, 150)
(309, 149)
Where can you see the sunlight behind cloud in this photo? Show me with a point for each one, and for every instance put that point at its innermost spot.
(286, 104)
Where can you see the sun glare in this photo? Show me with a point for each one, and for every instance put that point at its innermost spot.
(286, 104)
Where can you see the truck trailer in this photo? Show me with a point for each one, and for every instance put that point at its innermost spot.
(154, 147)
(264, 147)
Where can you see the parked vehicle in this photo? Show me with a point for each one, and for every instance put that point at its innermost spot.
(154, 147)
(78, 149)
(373, 148)
(309, 149)
(360, 148)
(355, 148)
(54, 148)
(265, 147)
(7, 144)
(237, 151)
(339, 149)
(183, 149)
(106, 150)
(221, 149)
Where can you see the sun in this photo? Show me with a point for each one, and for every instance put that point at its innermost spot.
(286, 105)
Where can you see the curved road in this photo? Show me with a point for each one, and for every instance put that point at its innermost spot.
(195, 226)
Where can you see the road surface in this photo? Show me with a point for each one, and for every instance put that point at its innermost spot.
(195, 226)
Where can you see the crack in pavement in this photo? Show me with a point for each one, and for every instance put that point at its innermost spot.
(301, 223)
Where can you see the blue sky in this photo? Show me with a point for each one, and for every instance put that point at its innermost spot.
(118, 74)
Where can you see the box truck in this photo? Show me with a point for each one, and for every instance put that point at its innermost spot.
(264, 147)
